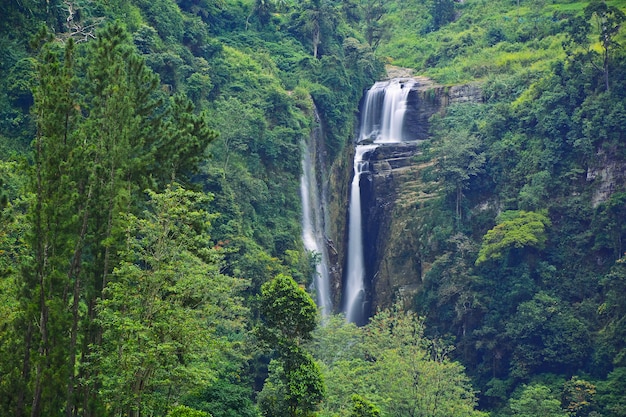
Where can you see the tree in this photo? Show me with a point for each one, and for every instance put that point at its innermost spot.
(14, 226)
(161, 313)
(578, 397)
(228, 396)
(392, 364)
(546, 336)
(460, 159)
(453, 284)
(375, 29)
(611, 393)
(515, 229)
(289, 315)
(411, 378)
(101, 139)
(363, 408)
(239, 123)
(612, 337)
(442, 12)
(608, 21)
(317, 20)
(292, 391)
(263, 9)
(56, 238)
(183, 411)
(536, 400)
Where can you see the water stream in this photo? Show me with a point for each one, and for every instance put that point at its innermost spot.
(313, 221)
(354, 294)
(382, 122)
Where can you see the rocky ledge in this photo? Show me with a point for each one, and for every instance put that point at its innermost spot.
(427, 98)
(394, 192)
(390, 194)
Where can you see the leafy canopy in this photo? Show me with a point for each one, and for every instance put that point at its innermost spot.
(516, 229)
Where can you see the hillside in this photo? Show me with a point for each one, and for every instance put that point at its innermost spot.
(150, 241)
(521, 254)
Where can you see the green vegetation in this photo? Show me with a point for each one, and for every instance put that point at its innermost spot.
(485, 38)
(288, 315)
(514, 230)
(525, 237)
(150, 256)
(389, 368)
(149, 183)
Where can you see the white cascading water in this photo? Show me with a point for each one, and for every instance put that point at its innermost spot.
(370, 113)
(382, 122)
(354, 283)
(313, 226)
(383, 111)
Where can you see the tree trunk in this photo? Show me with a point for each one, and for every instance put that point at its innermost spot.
(43, 354)
(74, 273)
(458, 206)
(19, 410)
(606, 68)
(40, 259)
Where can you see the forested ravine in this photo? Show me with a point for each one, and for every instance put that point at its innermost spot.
(158, 257)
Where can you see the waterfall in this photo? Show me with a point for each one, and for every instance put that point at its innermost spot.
(383, 111)
(313, 222)
(382, 120)
(355, 282)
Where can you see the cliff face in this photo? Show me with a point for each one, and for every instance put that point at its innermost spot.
(338, 200)
(428, 98)
(391, 196)
(607, 174)
(394, 194)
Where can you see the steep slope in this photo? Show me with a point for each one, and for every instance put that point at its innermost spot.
(518, 254)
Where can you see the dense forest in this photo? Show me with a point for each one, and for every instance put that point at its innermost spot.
(151, 259)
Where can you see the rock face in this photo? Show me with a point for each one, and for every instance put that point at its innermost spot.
(391, 195)
(338, 197)
(423, 102)
(394, 190)
(427, 98)
(607, 174)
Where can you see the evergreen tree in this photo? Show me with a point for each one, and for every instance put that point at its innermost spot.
(101, 138)
(442, 12)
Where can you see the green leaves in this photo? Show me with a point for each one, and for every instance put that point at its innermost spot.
(161, 313)
(289, 316)
(389, 363)
(361, 407)
(536, 400)
(547, 336)
(607, 21)
(183, 411)
(287, 311)
(103, 134)
(516, 229)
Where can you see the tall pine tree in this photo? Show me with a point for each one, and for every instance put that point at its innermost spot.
(105, 133)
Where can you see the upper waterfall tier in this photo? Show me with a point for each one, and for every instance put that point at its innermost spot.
(384, 108)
